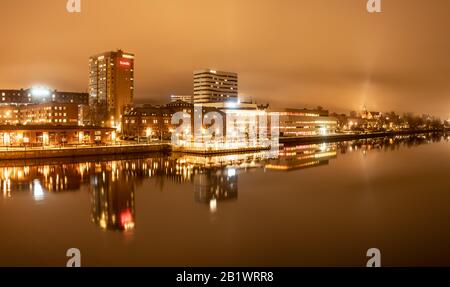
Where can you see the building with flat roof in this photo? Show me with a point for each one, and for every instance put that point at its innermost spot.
(39, 95)
(63, 114)
(304, 122)
(111, 87)
(212, 86)
(150, 121)
(45, 135)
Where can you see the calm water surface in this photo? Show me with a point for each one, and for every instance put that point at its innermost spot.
(310, 205)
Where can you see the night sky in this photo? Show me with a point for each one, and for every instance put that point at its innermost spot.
(297, 53)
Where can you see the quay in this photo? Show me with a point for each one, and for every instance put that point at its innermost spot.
(22, 153)
(209, 152)
(96, 150)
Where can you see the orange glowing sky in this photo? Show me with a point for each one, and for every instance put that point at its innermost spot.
(300, 53)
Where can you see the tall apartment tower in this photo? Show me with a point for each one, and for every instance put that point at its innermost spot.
(212, 86)
(111, 87)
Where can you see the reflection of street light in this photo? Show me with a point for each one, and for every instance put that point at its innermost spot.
(38, 191)
(213, 205)
(231, 172)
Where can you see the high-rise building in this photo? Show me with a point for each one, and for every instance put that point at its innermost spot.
(111, 87)
(212, 86)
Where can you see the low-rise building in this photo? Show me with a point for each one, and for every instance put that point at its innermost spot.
(52, 113)
(47, 135)
(304, 122)
(150, 121)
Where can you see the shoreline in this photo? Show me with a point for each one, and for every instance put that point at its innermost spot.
(22, 154)
(348, 137)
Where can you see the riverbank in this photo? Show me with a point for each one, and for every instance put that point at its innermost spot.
(21, 153)
(347, 137)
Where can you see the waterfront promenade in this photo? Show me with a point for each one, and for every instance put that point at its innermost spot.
(14, 153)
(42, 152)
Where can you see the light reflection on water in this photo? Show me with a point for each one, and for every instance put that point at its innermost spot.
(112, 184)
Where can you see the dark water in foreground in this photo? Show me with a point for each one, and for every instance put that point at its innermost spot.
(314, 205)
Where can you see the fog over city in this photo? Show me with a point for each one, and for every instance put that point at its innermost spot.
(298, 53)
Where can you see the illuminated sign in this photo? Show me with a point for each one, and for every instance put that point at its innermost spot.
(124, 63)
(128, 56)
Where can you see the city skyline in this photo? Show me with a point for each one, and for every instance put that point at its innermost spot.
(234, 135)
(388, 67)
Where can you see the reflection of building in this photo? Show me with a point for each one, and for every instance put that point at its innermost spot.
(302, 122)
(113, 204)
(303, 156)
(111, 86)
(214, 185)
(39, 179)
(214, 86)
(31, 135)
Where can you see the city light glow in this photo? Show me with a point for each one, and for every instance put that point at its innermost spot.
(39, 91)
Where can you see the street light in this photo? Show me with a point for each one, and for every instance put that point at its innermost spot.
(39, 91)
(148, 133)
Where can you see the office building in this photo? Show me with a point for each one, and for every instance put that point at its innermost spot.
(111, 87)
(303, 122)
(212, 86)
